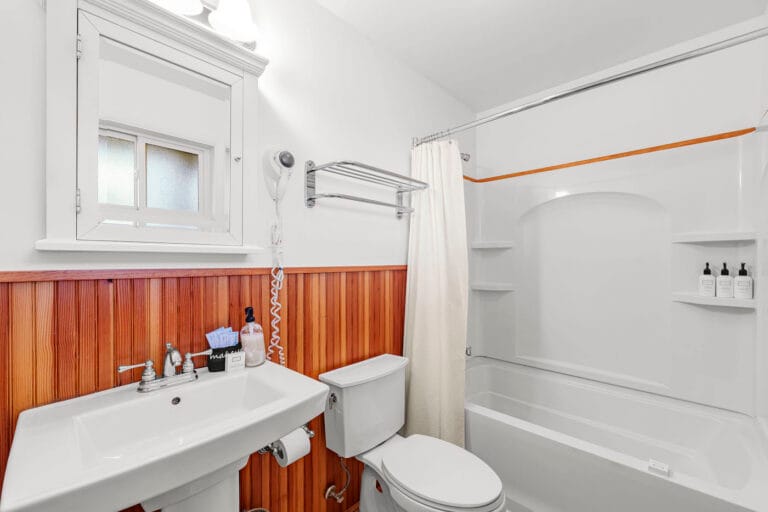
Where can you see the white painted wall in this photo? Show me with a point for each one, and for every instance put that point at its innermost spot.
(327, 94)
(594, 267)
(716, 93)
(510, 49)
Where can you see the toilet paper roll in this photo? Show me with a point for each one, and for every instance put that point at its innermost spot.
(292, 447)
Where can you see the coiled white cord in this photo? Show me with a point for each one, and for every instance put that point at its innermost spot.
(274, 311)
(276, 286)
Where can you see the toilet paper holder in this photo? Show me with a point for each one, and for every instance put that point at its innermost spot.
(273, 449)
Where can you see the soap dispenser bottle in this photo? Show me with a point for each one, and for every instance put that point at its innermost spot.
(742, 284)
(252, 339)
(707, 283)
(724, 286)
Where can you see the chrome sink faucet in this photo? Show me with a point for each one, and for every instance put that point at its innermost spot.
(151, 382)
(172, 360)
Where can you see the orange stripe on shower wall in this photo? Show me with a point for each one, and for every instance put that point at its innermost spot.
(635, 152)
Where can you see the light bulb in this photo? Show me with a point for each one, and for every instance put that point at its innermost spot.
(233, 19)
(183, 7)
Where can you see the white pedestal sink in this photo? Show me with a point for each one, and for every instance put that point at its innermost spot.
(177, 449)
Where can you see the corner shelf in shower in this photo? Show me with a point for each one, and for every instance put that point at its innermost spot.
(492, 287)
(498, 244)
(692, 298)
(704, 237)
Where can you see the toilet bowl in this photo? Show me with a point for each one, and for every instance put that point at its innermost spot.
(424, 474)
(418, 473)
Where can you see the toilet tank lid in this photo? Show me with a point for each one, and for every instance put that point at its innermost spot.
(364, 371)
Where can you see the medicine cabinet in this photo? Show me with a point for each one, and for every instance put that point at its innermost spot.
(146, 123)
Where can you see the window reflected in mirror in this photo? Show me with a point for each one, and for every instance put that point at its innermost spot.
(117, 170)
(173, 179)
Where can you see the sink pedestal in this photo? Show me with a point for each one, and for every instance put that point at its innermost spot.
(219, 491)
(224, 496)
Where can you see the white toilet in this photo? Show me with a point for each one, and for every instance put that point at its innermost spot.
(415, 474)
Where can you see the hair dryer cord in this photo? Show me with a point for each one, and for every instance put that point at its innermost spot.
(274, 311)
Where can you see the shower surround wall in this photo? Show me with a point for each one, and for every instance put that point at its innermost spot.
(608, 231)
(596, 266)
(589, 271)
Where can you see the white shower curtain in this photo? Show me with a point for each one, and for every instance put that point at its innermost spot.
(436, 296)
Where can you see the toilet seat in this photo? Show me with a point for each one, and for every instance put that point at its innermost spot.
(414, 504)
(440, 476)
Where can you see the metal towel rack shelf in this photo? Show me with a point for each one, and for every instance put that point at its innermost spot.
(363, 172)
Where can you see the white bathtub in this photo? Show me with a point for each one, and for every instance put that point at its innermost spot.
(565, 444)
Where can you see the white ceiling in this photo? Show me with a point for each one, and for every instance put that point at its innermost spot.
(489, 52)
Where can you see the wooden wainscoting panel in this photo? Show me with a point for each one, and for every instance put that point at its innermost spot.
(22, 349)
(63, 334)
(87, 351)
(6, 418)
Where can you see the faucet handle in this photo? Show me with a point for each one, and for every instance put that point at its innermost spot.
(170, 349)
(172, 354)
(189, 366)
(149, 370)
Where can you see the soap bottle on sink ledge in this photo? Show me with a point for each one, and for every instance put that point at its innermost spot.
(252, 339)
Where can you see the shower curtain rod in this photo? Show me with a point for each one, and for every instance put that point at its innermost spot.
(692, 54)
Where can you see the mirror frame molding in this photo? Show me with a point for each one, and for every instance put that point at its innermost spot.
(63, 46)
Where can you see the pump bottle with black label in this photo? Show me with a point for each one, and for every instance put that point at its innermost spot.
(724, 285)
(707, 283)
(742, 284)
(252, 339)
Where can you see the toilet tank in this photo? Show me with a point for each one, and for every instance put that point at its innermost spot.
(366, 405)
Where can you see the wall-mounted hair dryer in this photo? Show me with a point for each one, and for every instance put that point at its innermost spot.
(278, 166)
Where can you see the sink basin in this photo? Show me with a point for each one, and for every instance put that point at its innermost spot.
(116, 448)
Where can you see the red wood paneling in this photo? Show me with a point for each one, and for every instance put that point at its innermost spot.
(62, 334)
